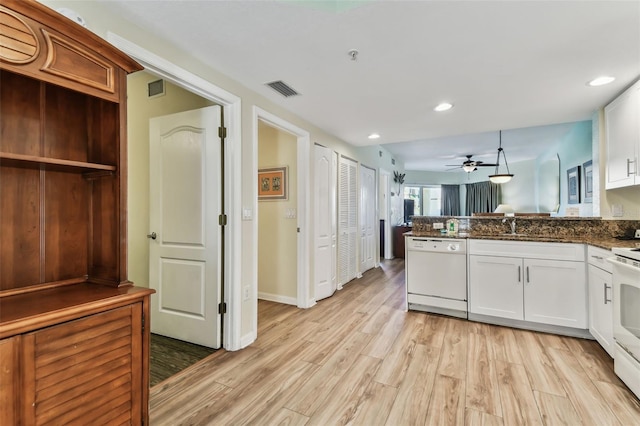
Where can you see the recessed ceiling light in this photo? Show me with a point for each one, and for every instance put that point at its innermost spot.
(601, 81)
(374, 136)
(445, 106)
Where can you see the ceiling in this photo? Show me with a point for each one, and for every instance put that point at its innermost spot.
(503, 64)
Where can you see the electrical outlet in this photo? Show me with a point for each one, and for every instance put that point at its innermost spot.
(637, 233)
(617, 210)
(246, 292)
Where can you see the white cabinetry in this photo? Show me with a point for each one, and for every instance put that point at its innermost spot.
(600, 298)
(622, 124)
(541, 283)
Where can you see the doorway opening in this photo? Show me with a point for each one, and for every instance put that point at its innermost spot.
(303, 296)
(231, 106)
(277, 214)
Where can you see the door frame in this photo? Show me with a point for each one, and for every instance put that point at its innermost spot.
(231, 106)
(304, 298)
(386, 253)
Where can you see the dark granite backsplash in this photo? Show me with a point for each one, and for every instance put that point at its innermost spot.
(558, 227)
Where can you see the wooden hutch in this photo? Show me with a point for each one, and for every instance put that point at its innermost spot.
(74, 348)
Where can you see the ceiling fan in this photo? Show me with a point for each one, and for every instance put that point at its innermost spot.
(470, 165)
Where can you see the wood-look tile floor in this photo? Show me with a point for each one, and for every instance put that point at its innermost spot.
(358, 358)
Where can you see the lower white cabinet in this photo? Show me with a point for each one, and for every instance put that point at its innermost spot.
(601, 299)
(534, 289)
(495, 286)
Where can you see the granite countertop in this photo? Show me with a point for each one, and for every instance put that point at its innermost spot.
(605, 243)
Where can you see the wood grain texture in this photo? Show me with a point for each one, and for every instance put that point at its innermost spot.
(351, 361)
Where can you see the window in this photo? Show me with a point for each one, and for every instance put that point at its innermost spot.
(427, 199)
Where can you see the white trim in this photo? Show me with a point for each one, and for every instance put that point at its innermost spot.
(304, 298)
(388, 244)
(287, 300)
(231, 105)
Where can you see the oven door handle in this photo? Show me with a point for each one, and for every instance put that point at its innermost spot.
(616, 262)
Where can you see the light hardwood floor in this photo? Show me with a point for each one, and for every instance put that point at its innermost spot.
(358, 358)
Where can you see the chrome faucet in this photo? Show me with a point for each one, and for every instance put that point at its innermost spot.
(512, 225)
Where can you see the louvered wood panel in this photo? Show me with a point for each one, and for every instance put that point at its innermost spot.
(18, 43)
(86, 370)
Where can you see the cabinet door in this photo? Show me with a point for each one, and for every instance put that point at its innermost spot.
(87, 371)
(555, 293)
(9, 380)
(495, 286)
(623, 139)
(601, 308)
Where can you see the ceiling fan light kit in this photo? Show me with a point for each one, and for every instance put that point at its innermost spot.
(501, 177)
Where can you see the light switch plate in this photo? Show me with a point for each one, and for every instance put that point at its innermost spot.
(438, 225)
(637, 233)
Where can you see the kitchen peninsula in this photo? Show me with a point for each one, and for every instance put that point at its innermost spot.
(531, 273)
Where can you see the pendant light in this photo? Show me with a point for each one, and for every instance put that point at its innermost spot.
(501, 177)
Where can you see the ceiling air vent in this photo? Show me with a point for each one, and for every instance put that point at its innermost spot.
(283, 88)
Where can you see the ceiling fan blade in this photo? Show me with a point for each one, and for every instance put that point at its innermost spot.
(480, 164)
(454, 168)
(453, 165)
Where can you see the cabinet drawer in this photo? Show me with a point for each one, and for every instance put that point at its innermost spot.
(528, 249)
(598, 258)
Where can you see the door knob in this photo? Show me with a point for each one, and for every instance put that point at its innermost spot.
(152, 235)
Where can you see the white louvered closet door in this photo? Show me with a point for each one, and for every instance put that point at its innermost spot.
(347, 220)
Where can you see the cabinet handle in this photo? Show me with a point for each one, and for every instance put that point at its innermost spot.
(597, 257)
(528, 274)
(519, 275)
(605, 293)
(629, 172)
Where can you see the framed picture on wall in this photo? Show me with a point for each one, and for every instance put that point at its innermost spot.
(273, 184)
(573, 185)
(587, 173)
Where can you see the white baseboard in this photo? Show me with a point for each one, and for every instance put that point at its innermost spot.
(287, 300)
(247, 339)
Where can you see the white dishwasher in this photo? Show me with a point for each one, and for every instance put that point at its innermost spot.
(436, 275)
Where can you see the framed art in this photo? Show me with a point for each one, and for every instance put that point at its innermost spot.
(273, 184)
(573, 185)
(587, 173)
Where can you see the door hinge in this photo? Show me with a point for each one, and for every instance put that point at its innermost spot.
(143, 321)
(222, 308)
(222, 220)
(222, 132)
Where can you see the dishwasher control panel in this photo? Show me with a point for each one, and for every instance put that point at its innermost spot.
(437, 245)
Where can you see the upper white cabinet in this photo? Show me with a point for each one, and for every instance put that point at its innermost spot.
(622, 124)
(541, 283)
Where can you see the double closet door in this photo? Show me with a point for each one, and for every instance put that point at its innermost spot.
(347, 220)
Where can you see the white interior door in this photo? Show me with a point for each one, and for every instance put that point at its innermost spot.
(367, 218)
(185, 255)
(347, 220)
(325, 222)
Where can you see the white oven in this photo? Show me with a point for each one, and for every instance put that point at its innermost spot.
(626, 316)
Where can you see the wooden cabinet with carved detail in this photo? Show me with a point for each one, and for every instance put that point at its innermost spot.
(73, 344)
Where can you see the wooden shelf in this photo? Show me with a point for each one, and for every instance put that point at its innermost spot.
(53, 163)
